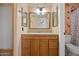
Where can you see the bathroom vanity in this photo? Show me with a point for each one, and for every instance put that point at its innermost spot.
(40, 36)
(39, 45)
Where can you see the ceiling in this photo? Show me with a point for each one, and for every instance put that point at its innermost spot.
(39, 4)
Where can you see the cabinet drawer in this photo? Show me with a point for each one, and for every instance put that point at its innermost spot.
(39, 37)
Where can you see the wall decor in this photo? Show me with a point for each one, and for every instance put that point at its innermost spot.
(23, 18)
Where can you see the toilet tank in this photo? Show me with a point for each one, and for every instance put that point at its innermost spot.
(67, 38)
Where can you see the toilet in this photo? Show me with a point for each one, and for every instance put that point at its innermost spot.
(71, 50)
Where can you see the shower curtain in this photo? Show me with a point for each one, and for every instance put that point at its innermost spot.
(75, 27)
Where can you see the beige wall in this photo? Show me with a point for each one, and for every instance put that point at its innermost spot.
(26, 9)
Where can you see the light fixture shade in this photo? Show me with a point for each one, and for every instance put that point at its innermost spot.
(40, 11)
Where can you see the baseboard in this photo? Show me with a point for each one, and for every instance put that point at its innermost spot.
(6, 52)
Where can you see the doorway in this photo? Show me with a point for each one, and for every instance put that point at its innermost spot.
(6, 29)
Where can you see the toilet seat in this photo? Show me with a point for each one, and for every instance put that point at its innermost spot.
(73, 49)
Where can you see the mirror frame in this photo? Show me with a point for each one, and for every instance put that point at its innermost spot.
(49, 19)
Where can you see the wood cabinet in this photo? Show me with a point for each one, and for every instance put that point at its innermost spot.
(39, 45)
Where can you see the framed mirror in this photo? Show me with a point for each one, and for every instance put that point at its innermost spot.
(39, 21)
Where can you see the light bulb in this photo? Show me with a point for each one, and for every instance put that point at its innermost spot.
(40, 12)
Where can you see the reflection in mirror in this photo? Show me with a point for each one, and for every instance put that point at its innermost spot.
(23, 17)
(55, 18)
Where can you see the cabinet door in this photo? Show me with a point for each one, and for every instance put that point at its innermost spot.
(43, 47)
(53, 48)
(34, 47)
(26, 47)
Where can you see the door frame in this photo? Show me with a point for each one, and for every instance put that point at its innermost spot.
(61, 17)
(14, 13)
